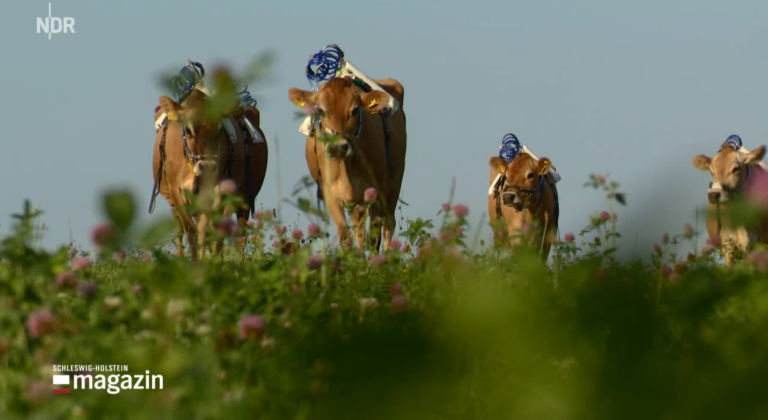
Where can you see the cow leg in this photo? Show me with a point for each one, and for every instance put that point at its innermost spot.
(358, 221)
(242, 220)
(179, 239)
(340, 220)
(375, 231)
(202, 225)
(185, 223)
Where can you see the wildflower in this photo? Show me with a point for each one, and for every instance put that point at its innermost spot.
(600, 179)
(759, 259)
(40, 323)
(757, 190)
(691, 258)
(680, 266)
(569, 237)
(368, 303)
(665, 239)
(39, 392)
(395, 289)
(715, 241)
(378, 260)
(399, 304)
(137, 289)
(600, 274)
(120, 255)
(688, 230)
(597, 240)
(458, 231)
(446, 206)
(295, 272)
(66, 279)
(227, 186)
(395, 244)
(604, 216)
(259, 224)
(405, 248)
(228, 227)
(674, 277)
(444, 236)
(656, 248)
(314, 261)
(80, 263)
(146, 259)
(113, 301)
(313, 230)
(176, 308)
(251, 326)
(706, 249)
(370, 195)
(665, 270)
(297, 234)
(87, 290)
(102, 234)
(461, 210)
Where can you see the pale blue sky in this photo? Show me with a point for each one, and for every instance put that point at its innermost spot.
(634, 89)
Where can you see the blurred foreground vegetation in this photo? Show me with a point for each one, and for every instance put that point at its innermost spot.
(431, 330)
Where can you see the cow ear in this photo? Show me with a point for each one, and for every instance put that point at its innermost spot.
(499, 164)
(375, 100)
(756, 155)
(544, 166)
(170, 107)
(301, 98)
(702, 162)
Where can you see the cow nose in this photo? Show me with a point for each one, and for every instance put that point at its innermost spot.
(339, 150)
(714, 197)
(508, 198)
(204, 167)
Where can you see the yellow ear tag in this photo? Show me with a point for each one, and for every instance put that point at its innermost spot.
(501, 169)
(172, 116)
(299, 103)
(373, 103)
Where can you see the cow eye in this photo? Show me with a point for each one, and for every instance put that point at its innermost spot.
(736, 169)
(530, 175)
(355, 111)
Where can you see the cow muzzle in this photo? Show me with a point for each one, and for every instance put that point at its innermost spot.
(339, 150)
(205, 167)
(512, 199)
(717, 194)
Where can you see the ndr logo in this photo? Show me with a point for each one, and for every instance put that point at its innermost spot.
(55, 25)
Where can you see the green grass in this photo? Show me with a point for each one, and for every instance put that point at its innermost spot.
(481, 335)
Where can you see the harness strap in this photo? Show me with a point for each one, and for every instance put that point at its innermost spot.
(497, 194)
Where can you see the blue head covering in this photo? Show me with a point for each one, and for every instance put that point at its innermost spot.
(734, 141)
(510, 147)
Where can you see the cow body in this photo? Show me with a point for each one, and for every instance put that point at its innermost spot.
(175, 173)
(731, 169)
(345, 168)
(526, 203)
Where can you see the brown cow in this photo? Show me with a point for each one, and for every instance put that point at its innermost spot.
(527, 196)
(357, 158)
(207, 160)
(730, 170)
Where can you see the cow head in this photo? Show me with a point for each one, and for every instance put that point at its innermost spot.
(729, 170)
(525, 180)
(201, 133)
(339, 105)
